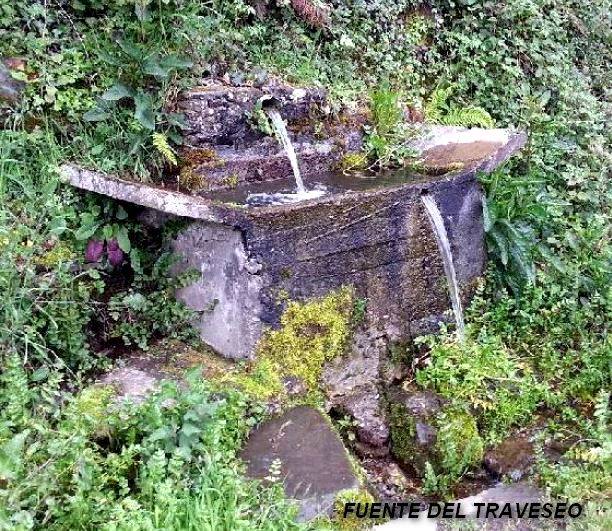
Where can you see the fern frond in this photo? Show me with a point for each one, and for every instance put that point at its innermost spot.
(437, 110)
(437, 104)
(160, 142)
(468, 116)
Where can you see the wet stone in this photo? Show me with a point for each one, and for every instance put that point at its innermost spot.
(131, 384)
(513, 458)
(314, 465)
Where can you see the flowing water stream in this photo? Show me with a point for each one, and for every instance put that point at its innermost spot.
(439, 229)
(301, 192)
(281, 132)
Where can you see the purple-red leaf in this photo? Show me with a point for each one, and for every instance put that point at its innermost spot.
(94, 250)
(114, 253)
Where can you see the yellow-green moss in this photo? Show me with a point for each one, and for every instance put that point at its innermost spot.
(231, 181)
(457, 448)
(192, 162)
(59, 253)
(310, 334)
(458, 444)
(351, 522)
(89, 409)
(355, 161)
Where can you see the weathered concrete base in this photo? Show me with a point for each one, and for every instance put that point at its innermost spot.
(351, 384)
(227, 293)
(308, 455)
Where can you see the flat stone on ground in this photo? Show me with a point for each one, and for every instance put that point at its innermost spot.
(314, 464)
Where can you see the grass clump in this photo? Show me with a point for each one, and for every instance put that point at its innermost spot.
(168, 463)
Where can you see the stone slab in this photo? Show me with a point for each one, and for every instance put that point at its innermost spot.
(314, 465)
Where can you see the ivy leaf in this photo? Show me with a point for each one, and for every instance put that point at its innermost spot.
(144, 111)
(116, 92)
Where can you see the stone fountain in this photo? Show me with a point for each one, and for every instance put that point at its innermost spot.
(373, 233)
(368, 232)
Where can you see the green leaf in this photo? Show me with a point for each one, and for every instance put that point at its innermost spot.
(117, 92)
(551, 258)
(486, 215)
(96, 115)
(177, 119)
(123, 240)
(144, 111)
(141, 9)
(502, 245)
(121, 214)
(86, 231)
(153, 67)
(176, 62)
(130, 49)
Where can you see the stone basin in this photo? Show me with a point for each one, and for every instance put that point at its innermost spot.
(367, 232)
(371, 233)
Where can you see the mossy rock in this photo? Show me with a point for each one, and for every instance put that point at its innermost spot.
(351, 522)
(424, 430)
(459, 446)
(311, 333)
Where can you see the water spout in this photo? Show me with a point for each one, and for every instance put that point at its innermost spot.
(439, 229)
(281, 132)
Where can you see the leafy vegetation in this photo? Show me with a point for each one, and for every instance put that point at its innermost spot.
(100, 85)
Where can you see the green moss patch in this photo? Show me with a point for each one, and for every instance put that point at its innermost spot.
(311, 333)
(457, 446)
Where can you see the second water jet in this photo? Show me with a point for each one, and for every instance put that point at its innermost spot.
(437, 223)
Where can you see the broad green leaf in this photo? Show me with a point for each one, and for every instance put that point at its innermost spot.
(176, 62)
(144, 111)
(123, 240)
(486, 215)
(96, 115)
(86, 231)
(117, 92)
(502, 245)
(177, 119)
(153, 67)
(141, 9)
(131, 49)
